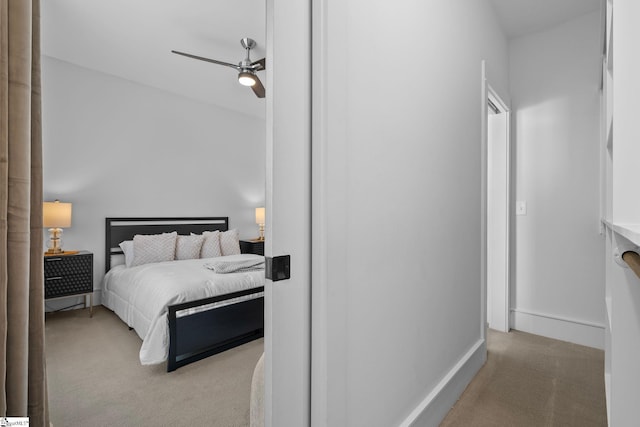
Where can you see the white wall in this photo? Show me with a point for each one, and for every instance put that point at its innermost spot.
(558, 272)
(116, 148)
(400, 177)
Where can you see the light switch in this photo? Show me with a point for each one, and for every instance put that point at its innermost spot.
(521, 208)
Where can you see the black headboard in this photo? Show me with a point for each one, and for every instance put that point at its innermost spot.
(121, 229)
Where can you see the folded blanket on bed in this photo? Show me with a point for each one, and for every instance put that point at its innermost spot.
(224, 265)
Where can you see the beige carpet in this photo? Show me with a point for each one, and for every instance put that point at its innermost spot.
(95, 378)
(534, 381)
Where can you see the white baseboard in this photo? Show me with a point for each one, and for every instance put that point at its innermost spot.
(432, 410)
(589, 334)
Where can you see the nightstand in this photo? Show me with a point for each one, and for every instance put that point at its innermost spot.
(252, 247)
(69, 275)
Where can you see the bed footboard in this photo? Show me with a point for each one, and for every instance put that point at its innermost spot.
(195, 336)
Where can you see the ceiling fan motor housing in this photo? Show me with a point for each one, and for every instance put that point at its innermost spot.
(248, 43)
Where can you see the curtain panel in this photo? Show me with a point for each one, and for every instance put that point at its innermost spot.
(22, 368)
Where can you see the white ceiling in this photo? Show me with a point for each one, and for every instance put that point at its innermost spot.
(133, 39)
(521, 17)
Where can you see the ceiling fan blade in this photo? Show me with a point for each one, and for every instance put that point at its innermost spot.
(258, 89)
(258, 65)
(188, 55)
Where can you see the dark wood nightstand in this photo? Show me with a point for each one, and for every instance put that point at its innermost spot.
(252, 247)
(68, 275)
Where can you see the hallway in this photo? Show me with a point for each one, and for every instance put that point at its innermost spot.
(530, 380)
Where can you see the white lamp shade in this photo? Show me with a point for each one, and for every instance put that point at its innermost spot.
(56, 214)
(259, 215)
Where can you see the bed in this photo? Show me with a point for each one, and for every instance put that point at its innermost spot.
(182, 310)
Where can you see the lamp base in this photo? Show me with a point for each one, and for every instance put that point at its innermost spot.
(55, 241)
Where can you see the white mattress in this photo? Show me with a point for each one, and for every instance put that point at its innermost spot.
(140, 295)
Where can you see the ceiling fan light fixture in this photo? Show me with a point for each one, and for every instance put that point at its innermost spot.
(246, 78)
(246, 68)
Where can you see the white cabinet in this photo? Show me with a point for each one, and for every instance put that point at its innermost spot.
(620, 166)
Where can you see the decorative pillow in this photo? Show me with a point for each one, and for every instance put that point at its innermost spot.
(230, 242)
(127, 249)
(211, 245)
(149, 248)
(188, 247)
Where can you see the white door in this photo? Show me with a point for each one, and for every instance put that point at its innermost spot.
(497, 216)
(288, 213)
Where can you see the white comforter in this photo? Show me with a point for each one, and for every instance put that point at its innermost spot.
(140, 295)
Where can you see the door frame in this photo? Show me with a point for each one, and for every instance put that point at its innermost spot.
(330, 149)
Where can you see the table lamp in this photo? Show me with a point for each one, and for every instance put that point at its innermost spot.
(260, 222)
(56, 216)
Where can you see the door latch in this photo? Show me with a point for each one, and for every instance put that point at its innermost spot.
(277, 268)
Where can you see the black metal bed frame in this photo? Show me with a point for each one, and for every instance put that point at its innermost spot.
(193, 337)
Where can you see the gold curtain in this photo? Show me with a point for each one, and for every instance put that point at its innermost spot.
(22, 369)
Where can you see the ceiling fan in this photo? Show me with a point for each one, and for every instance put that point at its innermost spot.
(246, 68)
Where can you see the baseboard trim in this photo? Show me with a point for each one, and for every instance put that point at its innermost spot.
(581, 332)
(432, 410)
